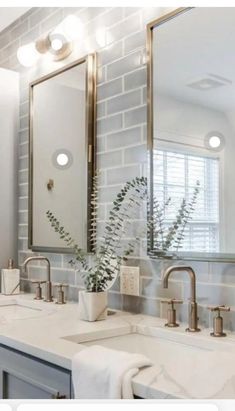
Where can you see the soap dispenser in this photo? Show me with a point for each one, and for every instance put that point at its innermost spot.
(10, 279)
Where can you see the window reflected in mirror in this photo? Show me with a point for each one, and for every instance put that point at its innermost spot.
(192, 133)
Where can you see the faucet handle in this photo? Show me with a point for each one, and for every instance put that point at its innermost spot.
(218, 308)
(60, 295)
(218, 320)
(171, 301)
(38, 290)
(171, 312)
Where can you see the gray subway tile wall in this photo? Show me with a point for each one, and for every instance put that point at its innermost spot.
(128, 137)
(121, 137)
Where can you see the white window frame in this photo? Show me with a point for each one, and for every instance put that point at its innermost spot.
(192, 149)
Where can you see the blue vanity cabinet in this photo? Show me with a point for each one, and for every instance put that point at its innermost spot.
(25, 377)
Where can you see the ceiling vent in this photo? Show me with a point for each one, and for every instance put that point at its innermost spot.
(209, 82)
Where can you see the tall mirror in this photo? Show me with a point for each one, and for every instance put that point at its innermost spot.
(191, 134)
(62, 155)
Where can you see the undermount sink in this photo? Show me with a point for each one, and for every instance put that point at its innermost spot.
(155, 343)
(20, 310)
(154, 348)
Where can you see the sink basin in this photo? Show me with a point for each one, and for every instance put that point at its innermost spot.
(152, 347)
(20, 310)
(184, 365)
(16, 312)
(155, 344)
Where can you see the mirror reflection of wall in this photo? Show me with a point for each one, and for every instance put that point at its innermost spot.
(59, 162)
(194, 127)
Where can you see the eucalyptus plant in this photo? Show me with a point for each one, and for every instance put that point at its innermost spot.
(170, 237)
(109, 250)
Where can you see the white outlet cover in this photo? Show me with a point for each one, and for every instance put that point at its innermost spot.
(130, 280)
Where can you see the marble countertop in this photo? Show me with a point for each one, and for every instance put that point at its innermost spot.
(207, 373)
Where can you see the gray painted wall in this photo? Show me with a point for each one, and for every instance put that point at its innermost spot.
(121, 127)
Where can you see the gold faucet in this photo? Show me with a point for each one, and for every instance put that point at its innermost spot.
(48, 297)
(193, 318)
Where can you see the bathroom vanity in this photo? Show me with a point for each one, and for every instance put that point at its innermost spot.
(38, 342)
(22, 373)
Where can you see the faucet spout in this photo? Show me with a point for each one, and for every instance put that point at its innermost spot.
(191, 274)
(48, 297)
(193, 318)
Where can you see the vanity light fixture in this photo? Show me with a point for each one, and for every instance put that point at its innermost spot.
(71, 28)
(28, 54)
(58, 43)
(215, 141)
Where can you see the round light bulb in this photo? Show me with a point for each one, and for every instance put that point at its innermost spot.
(62, 159)
(71, 27)
(56, 44)
(214, 141)
(28, 55)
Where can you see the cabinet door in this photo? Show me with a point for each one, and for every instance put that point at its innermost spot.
(17, 386)
(25, 377)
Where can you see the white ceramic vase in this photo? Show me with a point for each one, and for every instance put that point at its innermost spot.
(92, 306)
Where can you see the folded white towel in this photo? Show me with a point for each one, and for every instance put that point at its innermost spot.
(100, 372)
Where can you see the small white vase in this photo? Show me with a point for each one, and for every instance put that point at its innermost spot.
(92, 306)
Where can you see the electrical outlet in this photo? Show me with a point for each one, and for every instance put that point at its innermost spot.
(129, 280)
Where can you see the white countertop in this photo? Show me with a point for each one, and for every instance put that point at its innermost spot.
(208, 374)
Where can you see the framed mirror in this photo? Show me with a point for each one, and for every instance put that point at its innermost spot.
(62, 155)
(191, 134)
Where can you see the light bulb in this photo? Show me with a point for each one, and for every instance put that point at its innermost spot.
(28, 55)
(56, 44)
(71, 27)
(62, 159)
(214, 141)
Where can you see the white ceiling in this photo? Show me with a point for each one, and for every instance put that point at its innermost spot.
(190, 46)
(10, 14)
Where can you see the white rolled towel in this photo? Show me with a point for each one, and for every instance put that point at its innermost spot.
(100, 372)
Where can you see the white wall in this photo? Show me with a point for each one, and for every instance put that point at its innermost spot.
(9, 114)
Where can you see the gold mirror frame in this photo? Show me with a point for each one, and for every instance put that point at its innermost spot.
(90, 137)
(191, 256)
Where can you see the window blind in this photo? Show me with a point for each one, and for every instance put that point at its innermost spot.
(175, 176)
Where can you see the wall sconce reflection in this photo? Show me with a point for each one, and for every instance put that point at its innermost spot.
(214, 141)
(62, 159)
